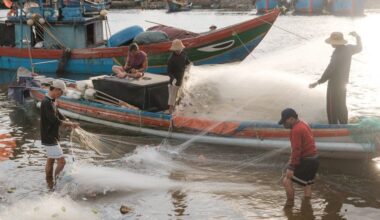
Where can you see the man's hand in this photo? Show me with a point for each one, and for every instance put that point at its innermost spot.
(313, 85)
(70, 124)
(289, 173)
(354, 34)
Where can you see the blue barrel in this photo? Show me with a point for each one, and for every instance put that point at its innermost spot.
(347, 7)
(309, 6)
(124, 36)
(264, 6)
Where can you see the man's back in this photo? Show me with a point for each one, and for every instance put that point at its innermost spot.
(302, 142)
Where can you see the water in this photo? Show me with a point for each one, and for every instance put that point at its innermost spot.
(206, 181)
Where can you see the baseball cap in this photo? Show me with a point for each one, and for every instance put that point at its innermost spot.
(287, 113)
(59, 84)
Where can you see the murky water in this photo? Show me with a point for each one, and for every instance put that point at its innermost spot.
(204, 181)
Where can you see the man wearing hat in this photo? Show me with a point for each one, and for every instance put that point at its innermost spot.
(303, 163)
(177, 63)
(51, 120)
(337, 74)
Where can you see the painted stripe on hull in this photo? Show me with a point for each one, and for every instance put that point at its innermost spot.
(326, 149)
(49, 66)
(236, 54)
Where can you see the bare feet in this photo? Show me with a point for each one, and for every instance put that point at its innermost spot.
(289, 203)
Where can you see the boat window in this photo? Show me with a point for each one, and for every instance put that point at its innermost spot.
(90, 35)
(9, 38)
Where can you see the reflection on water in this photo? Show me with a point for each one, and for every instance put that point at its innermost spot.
(204, 181)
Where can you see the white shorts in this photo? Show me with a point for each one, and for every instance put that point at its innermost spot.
(173, 91)
(53, 151)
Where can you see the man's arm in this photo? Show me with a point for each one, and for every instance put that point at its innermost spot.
(296, 144)
(126, 63)
(326, 75)
(358, 47)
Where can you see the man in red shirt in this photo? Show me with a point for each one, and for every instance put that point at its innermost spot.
(303, 163)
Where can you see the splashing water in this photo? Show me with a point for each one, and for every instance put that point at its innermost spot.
(48, 207)
(215, 90)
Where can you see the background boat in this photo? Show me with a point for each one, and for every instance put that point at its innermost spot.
(310, 7)
(347, 7)
(178, 5)
(81, 49)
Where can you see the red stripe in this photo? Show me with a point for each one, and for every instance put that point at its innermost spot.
(122, 117)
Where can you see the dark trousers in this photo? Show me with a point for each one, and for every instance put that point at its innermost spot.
(337, 112)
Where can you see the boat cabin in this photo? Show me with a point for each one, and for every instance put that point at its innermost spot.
(149, 93)
(52, 25)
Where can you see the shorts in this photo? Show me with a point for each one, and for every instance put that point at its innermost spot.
(305, 172)
(53, 151)
(173, 92)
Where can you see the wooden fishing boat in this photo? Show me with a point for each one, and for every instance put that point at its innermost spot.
(352, 141)
(72, 42)
(309, 7)
(178, 5)
(264, 6)
(347, 7)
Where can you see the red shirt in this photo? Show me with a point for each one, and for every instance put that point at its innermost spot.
(302, 143)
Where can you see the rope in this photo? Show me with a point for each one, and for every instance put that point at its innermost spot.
(60, 44)
(245, 46)
(30, 53)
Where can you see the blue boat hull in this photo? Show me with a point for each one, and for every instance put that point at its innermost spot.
(309, 6)
(347, 7)
(264, 6)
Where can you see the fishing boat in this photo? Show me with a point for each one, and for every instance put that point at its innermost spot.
(347, 7)
(144, 102)
(70, 40)
(178, 5)
(310, 7)
(265, 6)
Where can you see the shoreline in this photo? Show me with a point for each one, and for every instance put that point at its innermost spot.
(234, 5)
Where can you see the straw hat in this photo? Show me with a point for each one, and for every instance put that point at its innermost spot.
(177, 45)
(336, 38)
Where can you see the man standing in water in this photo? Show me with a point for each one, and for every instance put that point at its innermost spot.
(177, 63)
(337, 74)
(51, 120)
(303, 163)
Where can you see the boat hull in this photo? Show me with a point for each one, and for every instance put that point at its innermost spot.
(347, 7)
(174, 6)
(309, 6)
(264, 6)
(332, 141)
(225, 45)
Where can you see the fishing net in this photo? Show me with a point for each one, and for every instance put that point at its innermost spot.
(105, 145)
(367, 132)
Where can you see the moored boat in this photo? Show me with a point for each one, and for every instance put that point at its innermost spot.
(353, 141)
(178, 5)
(347, 7)
(50, 43)
(310, 7)
(264, 6)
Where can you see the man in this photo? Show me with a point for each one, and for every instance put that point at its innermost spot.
(51, 120)
(135, 64)
(176, 69)
(337, 75)
(303, 163)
